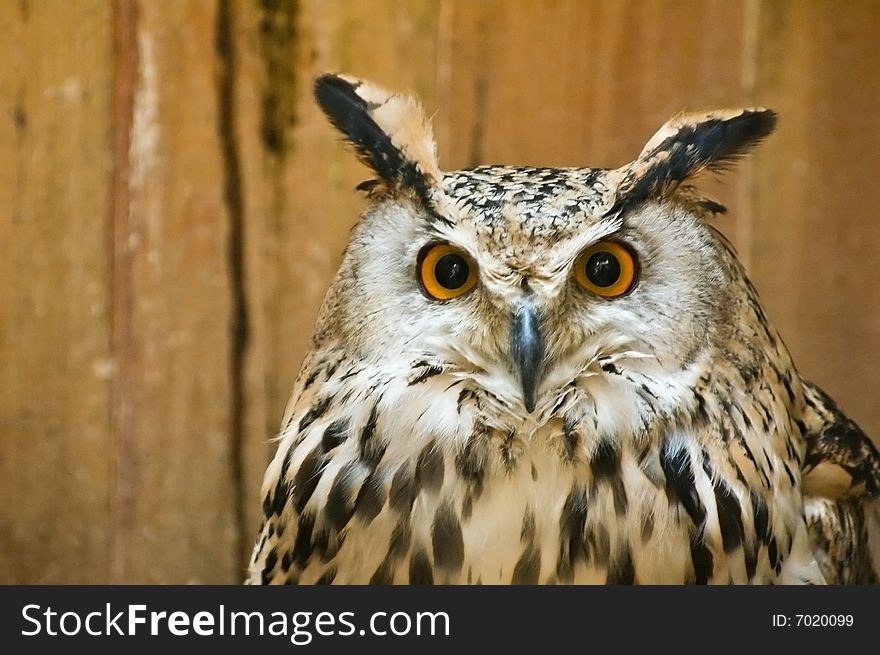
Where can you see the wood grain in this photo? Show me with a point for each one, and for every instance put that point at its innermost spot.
(55, 358)
(176, 521)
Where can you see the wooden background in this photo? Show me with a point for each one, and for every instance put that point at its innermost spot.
(172, 207)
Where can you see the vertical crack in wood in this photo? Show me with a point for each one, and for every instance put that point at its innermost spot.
(125, 77)
(238, 320)
(278, 25)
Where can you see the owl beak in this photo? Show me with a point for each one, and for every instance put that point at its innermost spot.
(527, 350)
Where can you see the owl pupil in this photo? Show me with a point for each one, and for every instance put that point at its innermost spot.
(603, 269)
(451, 271)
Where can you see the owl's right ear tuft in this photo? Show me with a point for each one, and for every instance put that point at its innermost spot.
(388, 131)
(689, 144)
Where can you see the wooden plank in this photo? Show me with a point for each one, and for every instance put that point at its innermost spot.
(300, 201)
(55, 366)
(176, 521)
(577, 83)
(816, 232)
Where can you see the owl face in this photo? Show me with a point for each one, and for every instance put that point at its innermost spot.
(532, 297)
(524, 281)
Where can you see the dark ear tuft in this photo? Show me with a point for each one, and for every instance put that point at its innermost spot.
(693, 142)
(689, 144)
(388, 131)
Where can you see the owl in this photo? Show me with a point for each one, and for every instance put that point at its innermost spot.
(555, 375)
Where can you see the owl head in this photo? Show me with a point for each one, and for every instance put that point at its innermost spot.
(529, 284)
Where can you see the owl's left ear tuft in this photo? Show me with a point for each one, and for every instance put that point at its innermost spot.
(388, 131)
(691, 143)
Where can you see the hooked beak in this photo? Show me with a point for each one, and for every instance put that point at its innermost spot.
(527, 351)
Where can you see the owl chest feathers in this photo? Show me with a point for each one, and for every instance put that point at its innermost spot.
(417, 477)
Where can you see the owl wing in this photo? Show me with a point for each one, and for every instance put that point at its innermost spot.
(841, 483)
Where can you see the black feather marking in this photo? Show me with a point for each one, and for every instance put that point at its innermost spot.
(371, 498)
(306, 479)
(572, 538)
(527, 531)
(420, 572)
(285, 465)
(680, 484)
(312, 377)
(429, 468)
(368, 186)
(751, 555)
(605, 465)
(773, 552)
(729, 518)
(325, 545)
(508, 452)
(383, 575)
(339, 506)
(335, 434)
(470, 462)
(528, 568)
(281, 494)
(467, 505)
(397, 547)
(350, 114)
(371, 448)
(702, 559)
(748, 452)
(402, 494)
(447, 540)
(327, 576)
(762, 521)
(428, 371)
(608, 367)
(302, 546)
(315, 412)
(711, 206)
(622, 571)
(271, 560)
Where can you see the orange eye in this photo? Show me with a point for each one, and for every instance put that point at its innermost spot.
(445, 272)
(607, 269)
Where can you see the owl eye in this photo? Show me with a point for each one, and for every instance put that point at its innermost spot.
(607, 269)
(445, 272)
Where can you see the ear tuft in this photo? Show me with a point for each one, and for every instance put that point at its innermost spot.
(389, 132)
(711, 138)
(689, 144)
